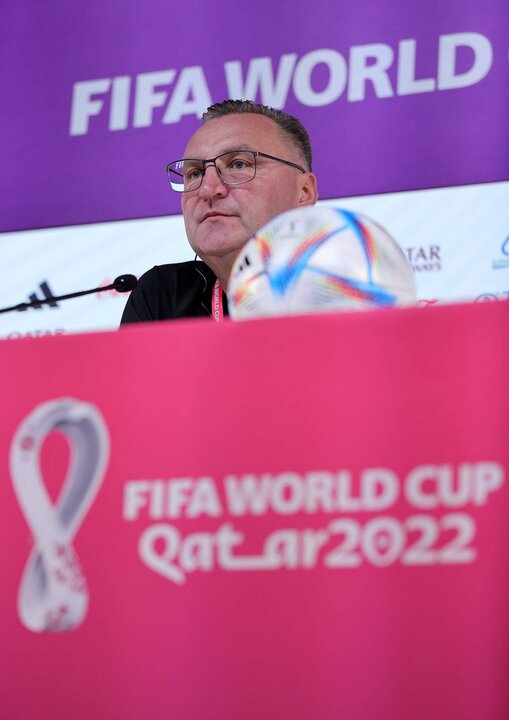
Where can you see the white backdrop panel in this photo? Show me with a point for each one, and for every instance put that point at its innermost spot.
(457, 240)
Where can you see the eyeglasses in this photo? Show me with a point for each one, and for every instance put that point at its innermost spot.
(234, 168)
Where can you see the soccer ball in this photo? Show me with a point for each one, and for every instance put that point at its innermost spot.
(315, 259)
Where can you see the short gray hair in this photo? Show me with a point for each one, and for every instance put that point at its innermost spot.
(292, 127)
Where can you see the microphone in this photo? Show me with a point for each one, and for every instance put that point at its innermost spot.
(123, 283)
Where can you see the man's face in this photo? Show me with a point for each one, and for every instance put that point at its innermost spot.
(221, 218)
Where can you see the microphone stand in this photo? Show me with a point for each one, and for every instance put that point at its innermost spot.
(123, 283)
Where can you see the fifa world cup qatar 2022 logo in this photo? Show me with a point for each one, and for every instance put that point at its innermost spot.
(53, 594)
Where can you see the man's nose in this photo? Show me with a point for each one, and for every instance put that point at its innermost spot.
(212, 185)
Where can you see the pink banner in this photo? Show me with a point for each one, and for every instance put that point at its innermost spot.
(292, 518)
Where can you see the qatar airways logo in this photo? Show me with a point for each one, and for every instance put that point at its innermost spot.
(424, 258)
(167, 95)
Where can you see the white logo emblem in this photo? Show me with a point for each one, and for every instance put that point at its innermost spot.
(53, 594)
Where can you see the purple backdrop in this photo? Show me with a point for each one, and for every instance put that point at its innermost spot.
(408, 127)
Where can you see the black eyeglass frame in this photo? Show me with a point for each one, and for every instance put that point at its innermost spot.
(254, 153)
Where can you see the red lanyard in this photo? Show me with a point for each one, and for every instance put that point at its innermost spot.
(217, 302)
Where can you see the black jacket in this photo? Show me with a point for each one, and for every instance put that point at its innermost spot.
(180, 290)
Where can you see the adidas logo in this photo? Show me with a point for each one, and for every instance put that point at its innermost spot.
(46, 292)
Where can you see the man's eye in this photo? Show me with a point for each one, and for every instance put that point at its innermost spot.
(239, 164)
(193, 174)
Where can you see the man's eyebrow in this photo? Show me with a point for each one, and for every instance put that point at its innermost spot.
(236, 148)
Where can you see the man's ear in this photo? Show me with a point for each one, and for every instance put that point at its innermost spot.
(308, 194)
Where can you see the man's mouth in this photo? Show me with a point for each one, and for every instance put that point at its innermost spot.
(213, 214)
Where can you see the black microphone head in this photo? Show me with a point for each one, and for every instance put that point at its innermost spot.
(125, 283)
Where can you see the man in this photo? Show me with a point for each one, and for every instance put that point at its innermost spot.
(246, 164)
